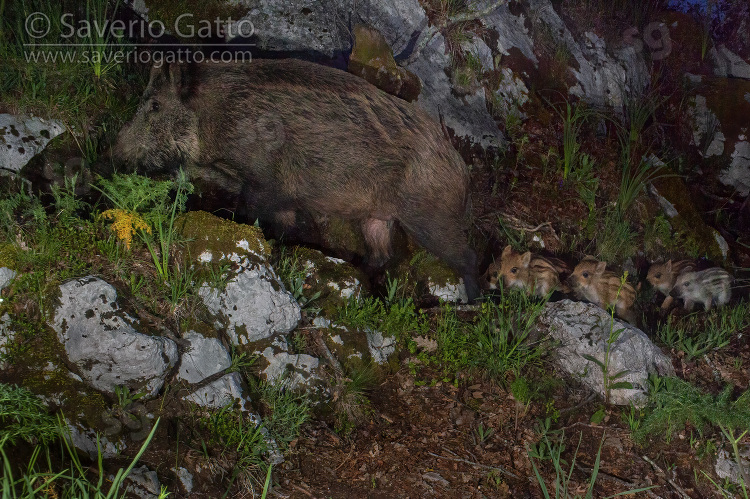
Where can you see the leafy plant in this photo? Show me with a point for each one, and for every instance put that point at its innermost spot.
(293, 273)
(41, 479)
(617, 239)
(564, 472)
(744, 476)
(633, 182)
(674, 402)
(482, 434)
(698, 334)
(574, 117)
(288, 408)
(124, 398)
(230, 428)
(24, 416)
(146, 209)
(351, 403)
(610, 380)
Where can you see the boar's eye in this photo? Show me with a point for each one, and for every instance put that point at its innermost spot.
(155, 106)
(514, 270)
(585, 275)
(658, 276)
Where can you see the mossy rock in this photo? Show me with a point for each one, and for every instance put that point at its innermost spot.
(427, 274)
(372, 60)
(8, 255)
(361, 350)
(300, 371)
(36, 363)
(214, 239)
(696, 234)
(335, 280)
(341, 235)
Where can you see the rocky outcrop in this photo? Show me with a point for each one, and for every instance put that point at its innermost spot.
(729, 64)
(323, 29)
(252, 304)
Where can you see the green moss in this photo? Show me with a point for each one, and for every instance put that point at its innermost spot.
(427, 267)
(221, 238)
(349, 347)
(688, 223)
(317, 281)
(7, 255)
(42, 370)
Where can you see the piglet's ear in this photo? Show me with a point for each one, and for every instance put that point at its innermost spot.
(601, 267)
(507, 251)
(526, 258)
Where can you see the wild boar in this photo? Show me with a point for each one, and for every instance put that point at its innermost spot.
(533, 273)
(662, 276)
(592, 282)
(289, 137)
(709, 287)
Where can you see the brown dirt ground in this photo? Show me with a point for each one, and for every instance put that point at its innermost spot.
(421, 441)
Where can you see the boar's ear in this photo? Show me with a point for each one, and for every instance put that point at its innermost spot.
(526, 259)
(506, 252)
(168, 76)
(601, 267)
(156, 78)
(669, 267)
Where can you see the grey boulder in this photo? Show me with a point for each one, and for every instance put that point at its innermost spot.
(583, 329)
(101, 340)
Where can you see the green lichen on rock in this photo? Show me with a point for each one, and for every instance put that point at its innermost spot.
(349, 347)
(425, 267)
(212, 239)
(343, 235)
(372, 59)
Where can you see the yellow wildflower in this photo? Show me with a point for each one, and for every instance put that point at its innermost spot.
(125, 224)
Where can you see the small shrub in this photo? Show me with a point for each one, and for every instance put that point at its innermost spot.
(698, 334)
(288, 410)
(674, 402)
(23, 416)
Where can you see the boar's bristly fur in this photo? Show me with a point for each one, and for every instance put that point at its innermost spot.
(288, 136)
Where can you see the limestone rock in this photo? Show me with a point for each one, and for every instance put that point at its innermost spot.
(102, 341)
(22, 138)
(583, 329)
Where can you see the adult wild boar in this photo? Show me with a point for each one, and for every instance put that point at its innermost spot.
(288, 136)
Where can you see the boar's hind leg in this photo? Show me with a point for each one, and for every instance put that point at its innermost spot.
(442, 236)
(377, 234)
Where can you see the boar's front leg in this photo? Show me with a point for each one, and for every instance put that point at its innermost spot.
(441, 234)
